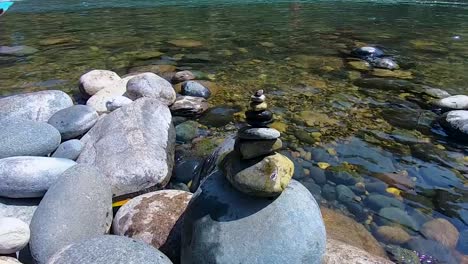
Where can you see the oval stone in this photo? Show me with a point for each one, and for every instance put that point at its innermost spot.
(28, 177)
(14, 235)
(193, 88)
(37, 106)
(74, 121)
(154, 218)
(223, 225)
(97, 80)
(454, 102)
(109, 249)
(151, 85)
(78, 206)
(21, 137)
(70, 149)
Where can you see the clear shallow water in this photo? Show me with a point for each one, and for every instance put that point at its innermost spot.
(296, 52)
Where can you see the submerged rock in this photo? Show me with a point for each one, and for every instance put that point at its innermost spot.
(37, 106)
(219, 219)
(28, 177)
(431, 248)
(186, 131)
(152, 86)
(455, 123)
(219, 116)
(385, 63)
(74, 121)
(442, 231)
(338, 252)
(109, 249)
(392, 235)
(155, 218)
(196, 89)
(14, 235)
(133, 146)
(63, 218)
(189, 106)
(17, 50)
(19, 137)
(397, 216)
(186, 43)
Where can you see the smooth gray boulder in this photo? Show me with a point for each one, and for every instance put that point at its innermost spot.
(454, 102)
(133, 146)
(109, 250)
(223, 225)
(21, 137)
(70, 149)
(29, 177)
(151, 85)
(37, 106)
(74, 121)
(455, 123)
(78, 206)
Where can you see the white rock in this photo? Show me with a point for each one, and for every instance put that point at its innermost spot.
(97, 80)
(100, 99)
(117, 102)
(455, 102)
(14, 235)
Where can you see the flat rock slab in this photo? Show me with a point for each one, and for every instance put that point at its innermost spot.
(109, 250)
(133, 146)
(38, 106)
(78, 206)
(29, 177)
(21, 137)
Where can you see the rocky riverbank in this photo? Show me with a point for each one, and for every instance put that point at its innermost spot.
(62, 165)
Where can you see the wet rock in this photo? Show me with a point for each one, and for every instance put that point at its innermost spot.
(329, 192)
(455, 123)
(378, 201)
(74, 121)
(219, 218)
(314, 119)
(392, 235)
(318, 175)
(109, 249)
(304, 136)
(385, 63)
(17, 50)
(14, 235)
(219, 116)
(96, 80)
(20, 137)
(28, 177)
(152, 86)
(442, 231)
(313, 188)
(385, 84)
(342, 228)
(266, 177)
(359, 65)
(189, 106)
(163, 70)
(431, 248)
(37, 106)
(186, 131)
(22, 209)
(454, 102)
(367, 52)
(341, 177)
(117, 102)
(256, 148)
(402, 255)
(399, 179)
(63, 218)
(396, 216)
(182, 76)
(185, 170)
(253, 133)
(155, 218)
(70, 149)
(409, 118)
(337, 252)
(140, 138)
(186, 43)
(392, 73)
(193, 88)
(434, 175)
(435, 92)
(344, 194)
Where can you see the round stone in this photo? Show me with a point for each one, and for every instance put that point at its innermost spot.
(367, 51)
(454, 102)
(21, 137)
(223, 225)
(442, 231)
(258, 106)
(255, 148)
(155, 218)
(455, 123)
(151, 85)
(392, 235)
(14, 235)
(182, 76)
(96, 80)
(74, 121)
(70, 149)
(109, 249)
(8, 260)
(258, 133)
(260, 116)
(265, 177)
(193, 88)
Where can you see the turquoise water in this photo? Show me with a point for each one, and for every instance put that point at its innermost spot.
(296, 51)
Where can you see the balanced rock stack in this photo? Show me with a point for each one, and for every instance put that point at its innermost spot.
(259, 170)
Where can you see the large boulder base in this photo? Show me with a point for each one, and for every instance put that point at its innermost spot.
(223, 225)
(78, 206)
(133, 146)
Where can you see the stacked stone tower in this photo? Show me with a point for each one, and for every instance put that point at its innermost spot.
(255, 167)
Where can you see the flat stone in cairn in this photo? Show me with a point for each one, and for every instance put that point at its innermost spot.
(259, 133)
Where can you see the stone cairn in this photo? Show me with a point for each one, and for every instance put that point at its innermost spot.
(255, 167)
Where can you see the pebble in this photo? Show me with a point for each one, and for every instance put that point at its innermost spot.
(70, 149)
(14, 235)
(21, 137)
(258, 133)
(74, 121)
(196, 89)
